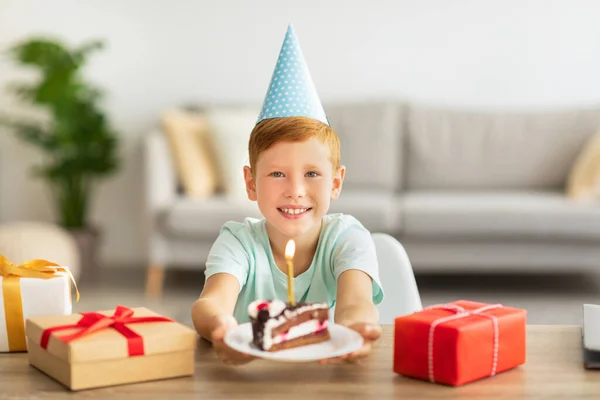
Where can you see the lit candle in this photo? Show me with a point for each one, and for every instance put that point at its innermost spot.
(290, 249)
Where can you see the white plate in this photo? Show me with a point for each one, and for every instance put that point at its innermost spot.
(343, 341)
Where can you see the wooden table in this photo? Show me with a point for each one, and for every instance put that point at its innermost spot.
(553, 369)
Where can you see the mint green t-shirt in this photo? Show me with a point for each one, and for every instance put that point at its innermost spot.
(244, 251)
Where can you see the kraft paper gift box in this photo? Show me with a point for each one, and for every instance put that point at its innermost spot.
(459, 342)
(34, 288)
(108, 348)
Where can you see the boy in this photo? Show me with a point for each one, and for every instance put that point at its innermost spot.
(293, 175)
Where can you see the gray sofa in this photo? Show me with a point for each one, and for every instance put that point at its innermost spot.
(462, 190)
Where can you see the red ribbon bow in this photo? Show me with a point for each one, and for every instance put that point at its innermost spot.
(93, 322)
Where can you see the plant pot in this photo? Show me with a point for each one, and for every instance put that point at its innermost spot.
(88, 243)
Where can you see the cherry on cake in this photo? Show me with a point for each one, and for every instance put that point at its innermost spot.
(277, 325)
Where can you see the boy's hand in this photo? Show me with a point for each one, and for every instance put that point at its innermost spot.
(224, 352)
(369, 332)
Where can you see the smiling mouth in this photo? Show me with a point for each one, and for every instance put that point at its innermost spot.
(294, 211)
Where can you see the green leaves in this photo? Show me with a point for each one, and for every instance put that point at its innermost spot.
(79, 142)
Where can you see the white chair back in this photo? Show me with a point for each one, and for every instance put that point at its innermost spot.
(397, 278)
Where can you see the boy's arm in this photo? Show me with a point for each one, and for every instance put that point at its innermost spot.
(355, 309)
(217, 300)
(354, 299)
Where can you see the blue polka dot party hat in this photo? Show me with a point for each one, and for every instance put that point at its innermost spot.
(292, 92)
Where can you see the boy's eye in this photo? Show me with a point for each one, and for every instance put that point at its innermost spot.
(276, 174)
(312, 174)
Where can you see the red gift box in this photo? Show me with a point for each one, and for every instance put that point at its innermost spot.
(459, 342)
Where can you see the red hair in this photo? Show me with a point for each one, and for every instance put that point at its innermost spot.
(292, 129)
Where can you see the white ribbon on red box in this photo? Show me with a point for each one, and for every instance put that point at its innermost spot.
(460, 312)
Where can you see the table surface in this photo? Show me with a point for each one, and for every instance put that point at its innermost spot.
(553, 369)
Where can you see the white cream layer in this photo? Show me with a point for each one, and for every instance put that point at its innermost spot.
(275, 307)
(294, 332)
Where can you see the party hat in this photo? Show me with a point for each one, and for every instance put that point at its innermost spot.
(291, 91)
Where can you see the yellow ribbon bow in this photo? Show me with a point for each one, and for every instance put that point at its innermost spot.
(11, 292)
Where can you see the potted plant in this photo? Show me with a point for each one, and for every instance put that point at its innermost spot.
(77, 141)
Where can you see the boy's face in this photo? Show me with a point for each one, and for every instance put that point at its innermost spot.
(293, 184)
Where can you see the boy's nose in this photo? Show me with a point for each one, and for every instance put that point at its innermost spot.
(295, 189)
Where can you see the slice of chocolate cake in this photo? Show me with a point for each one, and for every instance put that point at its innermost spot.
(277, 325)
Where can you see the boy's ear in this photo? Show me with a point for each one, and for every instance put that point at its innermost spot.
(250, 183)
(338, 180)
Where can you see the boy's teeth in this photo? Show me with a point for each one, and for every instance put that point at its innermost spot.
(293, 211)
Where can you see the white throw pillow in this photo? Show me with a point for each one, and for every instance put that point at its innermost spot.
(230, 129)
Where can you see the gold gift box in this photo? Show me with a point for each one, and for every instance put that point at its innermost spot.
(102, 358)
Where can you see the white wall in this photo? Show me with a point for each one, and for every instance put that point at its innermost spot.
(501, 53)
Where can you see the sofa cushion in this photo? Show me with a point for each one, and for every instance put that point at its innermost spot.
(204, 218)
(538, 215)
(377, 210)
(371, 143)
(191, 151)
(583, 182)
(450, 149)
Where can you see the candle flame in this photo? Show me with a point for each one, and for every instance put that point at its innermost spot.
(290, 249)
